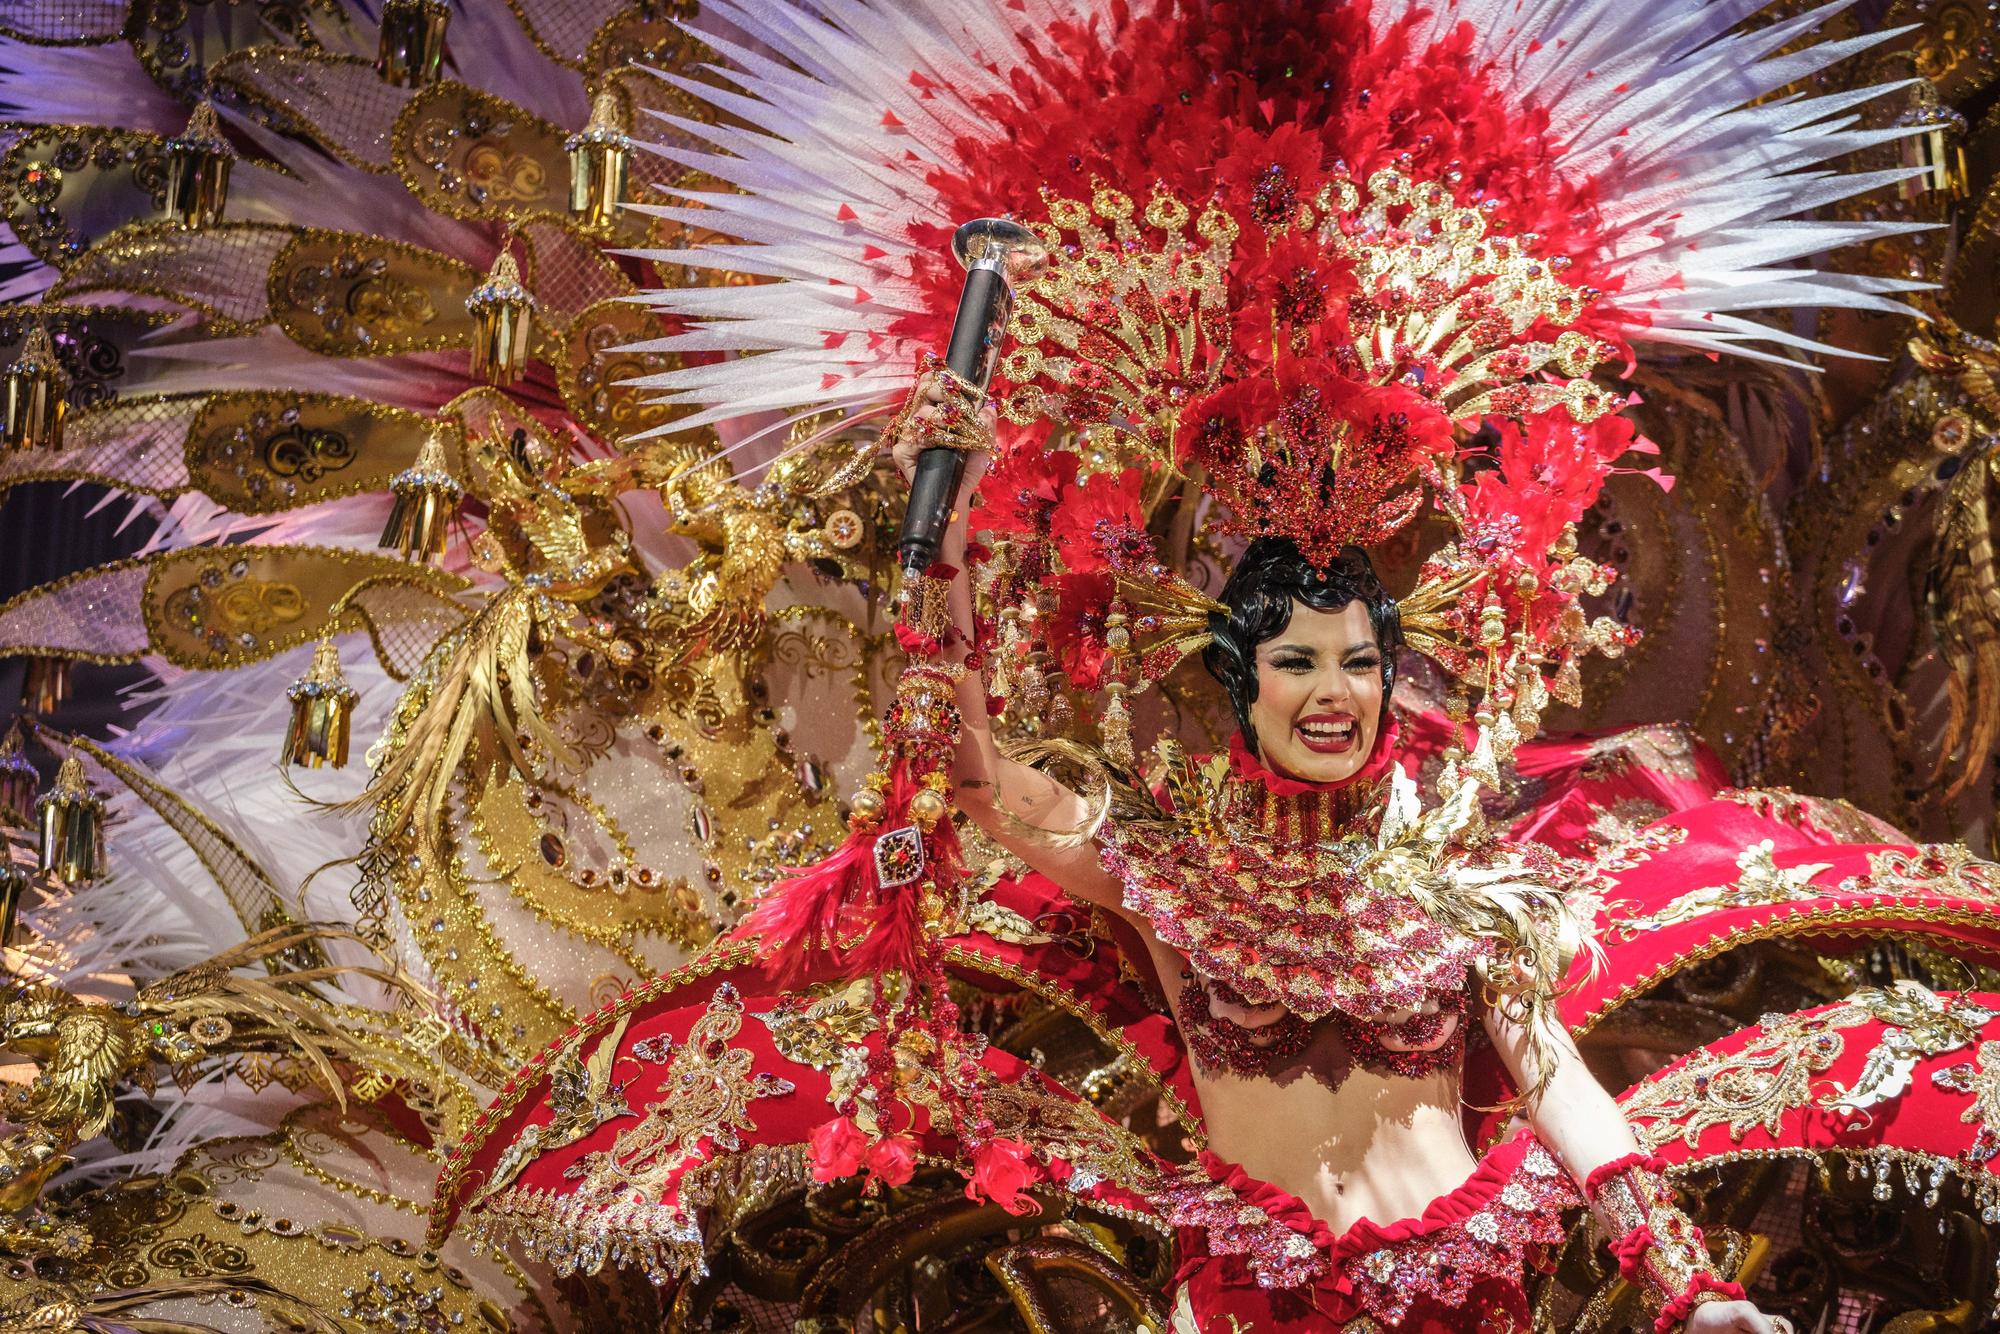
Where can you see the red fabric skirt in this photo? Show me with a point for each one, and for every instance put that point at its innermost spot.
(1254, 1260)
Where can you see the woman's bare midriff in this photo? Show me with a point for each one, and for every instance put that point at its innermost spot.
(1350, 1143)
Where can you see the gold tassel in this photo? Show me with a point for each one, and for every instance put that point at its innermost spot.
(35, 395)
(18, 782)
(1114, 725)
(1939, 149)
(198, 162)
(410, 53)
(1114, 729)
(322, 708)
(501, 311)
(45, 685)
(72, 819)
(15, 882)
(599, 164)
(427, 497)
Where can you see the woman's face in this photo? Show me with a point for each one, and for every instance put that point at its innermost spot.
(1319, 694)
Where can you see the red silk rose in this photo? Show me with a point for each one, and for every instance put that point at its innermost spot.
(893, 1160)
(1001, 1170)
(836, 1149)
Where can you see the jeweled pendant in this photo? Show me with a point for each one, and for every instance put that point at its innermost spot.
(501, 312)
(45, 685)
(599, 164)
(322, 707)
(18, 782)
(411, 51)
(72, 820)
(198, 162)
(34, 396)
(427, 497)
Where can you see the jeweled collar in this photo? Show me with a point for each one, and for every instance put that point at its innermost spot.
(1294, 812)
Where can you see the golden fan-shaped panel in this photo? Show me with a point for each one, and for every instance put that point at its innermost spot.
(263, 452)
(344, 295)
(468, 154)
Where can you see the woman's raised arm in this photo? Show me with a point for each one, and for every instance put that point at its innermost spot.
(1007, 799)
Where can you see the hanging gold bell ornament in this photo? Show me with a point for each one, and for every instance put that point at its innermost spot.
(72, 818)
(1939, 148)
(18, 781)
(322, 708)
(45, 685)
(427, 497)
(501, 312)
(599, 164)
(410, 53)
(34, 397)
(198, 162)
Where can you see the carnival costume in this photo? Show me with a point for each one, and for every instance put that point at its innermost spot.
(1297, 291)
(598, 318)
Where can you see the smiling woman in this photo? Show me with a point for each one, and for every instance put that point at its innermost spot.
(1308, 658)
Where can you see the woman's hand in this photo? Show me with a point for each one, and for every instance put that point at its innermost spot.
(930, 393)
(1734, 1318)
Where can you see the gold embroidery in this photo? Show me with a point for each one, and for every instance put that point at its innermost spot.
(1779, 1071)
(706, 1096)
(1935, 869)
(582, 1097)
(1761, 881)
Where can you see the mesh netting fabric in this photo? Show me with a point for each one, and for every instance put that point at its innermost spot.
(221, 270)
(407, 622)
(342, 102)
(569, 273)
(566, 26)
(64, 20)
(98, 615)
(135, 445)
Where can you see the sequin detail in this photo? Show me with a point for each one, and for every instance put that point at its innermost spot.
(1444, 1265)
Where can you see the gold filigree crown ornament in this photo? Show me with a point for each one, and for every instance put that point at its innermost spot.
(1316, 365)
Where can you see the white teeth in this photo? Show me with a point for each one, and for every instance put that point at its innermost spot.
(1327, 731)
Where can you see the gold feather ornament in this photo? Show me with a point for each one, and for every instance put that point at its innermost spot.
(599, 165)
(473, 703)
(18, 781)
(198, 161)
(502, 316)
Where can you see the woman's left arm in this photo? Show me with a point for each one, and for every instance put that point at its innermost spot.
(1580, 1122)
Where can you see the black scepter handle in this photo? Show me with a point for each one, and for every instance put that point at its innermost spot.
(993, 250)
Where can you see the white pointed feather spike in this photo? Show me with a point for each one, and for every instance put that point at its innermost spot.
(1706, 168)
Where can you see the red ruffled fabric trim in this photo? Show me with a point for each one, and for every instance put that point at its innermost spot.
(1247, 767)
(1603, 1172)
(1675, 1313)
(1630, 1252)
(1438, 1256)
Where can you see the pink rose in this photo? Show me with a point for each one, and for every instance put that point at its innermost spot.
(1001, 1170)
(837, 1147)
(893, 1160)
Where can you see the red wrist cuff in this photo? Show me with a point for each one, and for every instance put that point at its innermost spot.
(1603, 1172)
(1675, 1313)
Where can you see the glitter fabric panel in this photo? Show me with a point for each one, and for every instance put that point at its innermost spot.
(95, 616)
(1253, 1251)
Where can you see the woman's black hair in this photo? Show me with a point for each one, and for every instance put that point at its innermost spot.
(1271, 576)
